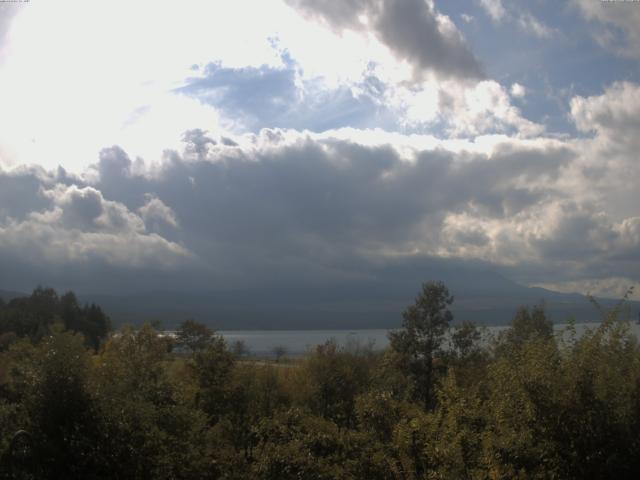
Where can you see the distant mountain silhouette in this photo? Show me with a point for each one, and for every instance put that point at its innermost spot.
(485, 298)
(8, 295)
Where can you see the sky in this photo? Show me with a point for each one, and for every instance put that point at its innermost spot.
(240, 144)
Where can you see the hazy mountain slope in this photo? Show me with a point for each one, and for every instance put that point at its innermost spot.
(481, 296)
(484, 298)
(8, 295)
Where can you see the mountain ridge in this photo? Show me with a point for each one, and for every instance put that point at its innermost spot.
(302, 310)
(483, 297)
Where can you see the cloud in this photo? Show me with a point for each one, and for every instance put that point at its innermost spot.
(21, 192)
(197, 143)
(484, 108)
(334, 206)
(320, 203)
(611, 122)
(615, 287)
(525, 20)
(282, 98)
(71, 228)
(8, 10)
(518, 91)
(467, 18)
(122, 85)
(379, 75)
(494, 8)
(615, 25)
(245, 152)
(156, 214)
(343, 206)
(412, 29)
(85, 209)
(532, 25)
(614, 113)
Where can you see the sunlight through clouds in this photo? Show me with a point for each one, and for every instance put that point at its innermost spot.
(321, 137)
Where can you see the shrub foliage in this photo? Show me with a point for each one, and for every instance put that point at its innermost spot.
(442, 402)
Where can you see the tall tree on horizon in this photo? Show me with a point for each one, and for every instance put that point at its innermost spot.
(420, 339)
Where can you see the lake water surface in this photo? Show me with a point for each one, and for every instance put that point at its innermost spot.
(299, 342)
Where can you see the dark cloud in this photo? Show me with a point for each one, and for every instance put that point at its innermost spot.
(322, 209)
(228, 142)
(286, 209)
(82, 208)
(21, 192)
(73, 237)
(197, 143)
(412, 29)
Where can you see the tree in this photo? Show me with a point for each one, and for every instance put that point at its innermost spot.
(294, 445)
(465, 339)
(150, 431)
(420, 339)
(64, 418)
(96, 325)
(330, 380)
(279, 351)
(90, 320)
(194, 336)
(34, 316)
(528, 325)
(213, 368)
(240, 348)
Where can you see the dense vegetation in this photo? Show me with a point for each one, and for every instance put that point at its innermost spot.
(441, 402)
(34, 316)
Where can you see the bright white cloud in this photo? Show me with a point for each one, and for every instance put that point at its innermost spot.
(494, 8)
(460, 108)
(121, 89)
(518, 90)
(613, 113)
(63, 99)
(484, 108)
(614, 287)
(610, 161)
(101, 81)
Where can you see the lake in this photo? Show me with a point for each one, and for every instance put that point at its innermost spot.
(299, 342)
